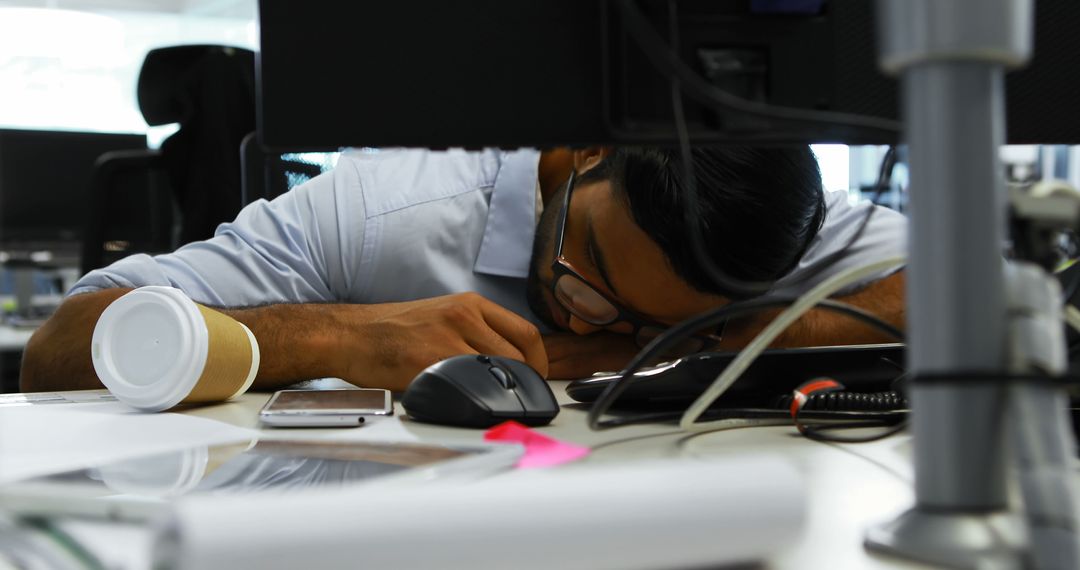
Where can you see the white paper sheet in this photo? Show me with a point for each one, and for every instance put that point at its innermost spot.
(41, 398)
(39, 439)
(671, 514)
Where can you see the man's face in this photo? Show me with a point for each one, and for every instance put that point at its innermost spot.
(615, 256)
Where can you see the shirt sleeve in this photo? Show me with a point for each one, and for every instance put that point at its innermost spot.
(885, 236)
(294, 249)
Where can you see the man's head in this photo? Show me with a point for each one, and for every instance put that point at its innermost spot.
(758, 209)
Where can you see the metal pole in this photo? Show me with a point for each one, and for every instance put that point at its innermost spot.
(956, 291)
(951, 56)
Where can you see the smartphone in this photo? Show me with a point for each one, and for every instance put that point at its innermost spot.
(325, 408)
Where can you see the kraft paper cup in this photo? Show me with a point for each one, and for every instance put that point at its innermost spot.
(155, 348)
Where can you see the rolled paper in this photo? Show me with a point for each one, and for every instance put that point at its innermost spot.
(670, 513)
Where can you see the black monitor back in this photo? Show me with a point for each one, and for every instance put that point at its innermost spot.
(45, 181)
(515, 73)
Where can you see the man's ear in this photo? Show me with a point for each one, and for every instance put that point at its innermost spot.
(588, 157)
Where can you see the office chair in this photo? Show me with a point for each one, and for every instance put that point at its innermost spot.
(130, 209)
(155, 200)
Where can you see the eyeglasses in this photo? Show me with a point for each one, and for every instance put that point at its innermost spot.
(585, 302)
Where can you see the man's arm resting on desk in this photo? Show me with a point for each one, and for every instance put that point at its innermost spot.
(883, 298)
(382, 346)
(574, 356)
(57, 357)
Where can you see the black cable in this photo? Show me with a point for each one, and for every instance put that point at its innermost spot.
(634, 438)
(841, 401)
(648, 418)
(709, 320)
(888, 162)
(775, 417)
(732, 286)
(891, 402)
(844, 401)
(903, 478)
(1073, 287)
(815, 432)
(668, 63)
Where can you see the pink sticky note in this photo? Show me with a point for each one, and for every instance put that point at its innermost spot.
(540, 450)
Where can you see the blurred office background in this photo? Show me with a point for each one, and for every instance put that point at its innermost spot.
(73, 65)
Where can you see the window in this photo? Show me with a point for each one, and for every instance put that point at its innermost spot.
(76, 67)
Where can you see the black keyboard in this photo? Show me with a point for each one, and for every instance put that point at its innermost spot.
(864, 368)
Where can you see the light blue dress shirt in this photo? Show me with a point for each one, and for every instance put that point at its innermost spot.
(885, 236)
(407, 224)
(383, 226)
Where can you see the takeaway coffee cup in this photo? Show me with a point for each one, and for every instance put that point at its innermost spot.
(155, 348)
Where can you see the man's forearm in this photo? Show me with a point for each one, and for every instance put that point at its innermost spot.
(296, 342)
(883, 299)
(293, 343)
(58, 354)
(378, 345)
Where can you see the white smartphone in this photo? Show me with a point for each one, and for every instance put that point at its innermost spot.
(325, 408)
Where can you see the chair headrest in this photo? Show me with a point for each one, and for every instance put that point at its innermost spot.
(166, 74)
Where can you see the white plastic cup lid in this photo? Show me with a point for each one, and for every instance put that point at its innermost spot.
(150, 347)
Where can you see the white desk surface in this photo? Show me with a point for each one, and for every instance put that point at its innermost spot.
(850, 486)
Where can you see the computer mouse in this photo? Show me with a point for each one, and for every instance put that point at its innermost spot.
(477, 390)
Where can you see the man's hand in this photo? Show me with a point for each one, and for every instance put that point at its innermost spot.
(387, 345)
(573, 356)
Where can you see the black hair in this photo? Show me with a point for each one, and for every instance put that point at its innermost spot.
(758, 208)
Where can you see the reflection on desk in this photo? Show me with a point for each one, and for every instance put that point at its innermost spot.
(146, 488)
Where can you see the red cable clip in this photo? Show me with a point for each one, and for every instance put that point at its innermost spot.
(802, 394)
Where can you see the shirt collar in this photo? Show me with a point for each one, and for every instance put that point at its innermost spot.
(511, 222)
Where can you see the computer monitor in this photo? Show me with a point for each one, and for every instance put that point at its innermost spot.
(45, 181)
(476, 73)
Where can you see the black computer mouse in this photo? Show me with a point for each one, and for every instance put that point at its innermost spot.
(480, 391)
